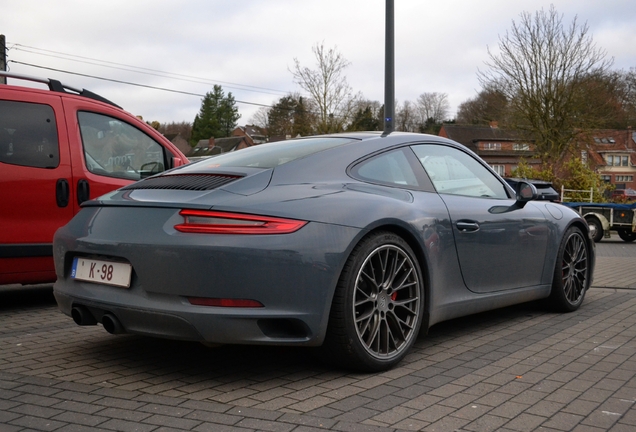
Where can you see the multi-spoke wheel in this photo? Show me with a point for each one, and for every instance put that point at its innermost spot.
(571, 272)
(377, 308)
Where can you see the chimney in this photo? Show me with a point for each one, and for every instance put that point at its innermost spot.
(494, 124)
(211, 143)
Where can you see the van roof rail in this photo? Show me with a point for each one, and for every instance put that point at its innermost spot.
(57, 86)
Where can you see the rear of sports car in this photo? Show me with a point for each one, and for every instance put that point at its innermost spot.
(188, 255)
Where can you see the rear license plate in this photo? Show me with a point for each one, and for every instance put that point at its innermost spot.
(103, 272)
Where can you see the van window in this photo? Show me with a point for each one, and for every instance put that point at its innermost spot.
(114, 148)
(28, 135)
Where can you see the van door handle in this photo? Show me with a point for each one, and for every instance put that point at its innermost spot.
(62, 193)
(467, 226)
(83, 191)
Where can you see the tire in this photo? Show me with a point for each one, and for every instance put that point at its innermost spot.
(596, 229)
(378, 306)
(627, 235)
(571, 272)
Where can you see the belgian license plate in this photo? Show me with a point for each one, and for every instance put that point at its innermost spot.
(103, 272)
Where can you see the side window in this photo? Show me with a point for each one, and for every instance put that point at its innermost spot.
(116, 149)
(390, 168)
(28, 135)
(454, 172)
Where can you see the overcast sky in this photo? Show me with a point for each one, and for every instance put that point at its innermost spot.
(249, 46)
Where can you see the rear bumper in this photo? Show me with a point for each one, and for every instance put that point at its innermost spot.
(293, 275)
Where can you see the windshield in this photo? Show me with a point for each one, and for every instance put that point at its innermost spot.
(268, 155)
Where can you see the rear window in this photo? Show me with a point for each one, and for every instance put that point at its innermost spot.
(268, 155)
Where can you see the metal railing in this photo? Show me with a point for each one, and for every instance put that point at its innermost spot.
(564, 198)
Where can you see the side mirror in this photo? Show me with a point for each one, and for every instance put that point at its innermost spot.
(176, 162)
(526, 192)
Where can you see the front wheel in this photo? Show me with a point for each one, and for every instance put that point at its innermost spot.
(571, 272)
(626, 235)
(378, 305)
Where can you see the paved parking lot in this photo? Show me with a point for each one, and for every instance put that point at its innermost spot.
(515, 369)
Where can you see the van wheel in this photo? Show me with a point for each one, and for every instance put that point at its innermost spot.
(626, 235)
(596, 229)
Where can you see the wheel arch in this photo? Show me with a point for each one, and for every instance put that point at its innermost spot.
(602, 219)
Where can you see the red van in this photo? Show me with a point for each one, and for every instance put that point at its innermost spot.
(58, 148)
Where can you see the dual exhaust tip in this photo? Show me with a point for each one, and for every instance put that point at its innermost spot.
(83, 317)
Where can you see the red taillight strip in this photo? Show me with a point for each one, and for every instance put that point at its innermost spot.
(235, 223)
(221, 302)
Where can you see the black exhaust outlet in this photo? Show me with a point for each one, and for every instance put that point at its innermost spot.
(82, 316)
(111, 324)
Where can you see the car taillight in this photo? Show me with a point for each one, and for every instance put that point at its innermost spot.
(223, 302)
(213, 222)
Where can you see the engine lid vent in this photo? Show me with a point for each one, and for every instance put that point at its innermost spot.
(191, 182)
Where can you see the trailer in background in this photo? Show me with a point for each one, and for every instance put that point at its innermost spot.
(606, 217)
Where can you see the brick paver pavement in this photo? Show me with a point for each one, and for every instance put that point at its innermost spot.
(516, 369)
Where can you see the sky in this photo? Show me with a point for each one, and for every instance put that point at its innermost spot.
(249, 46)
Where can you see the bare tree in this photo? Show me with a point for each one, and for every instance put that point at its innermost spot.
(489, 105)
(184, 128)
(407, 118)
(327, 86)
(433, 107)
(539, 68)
(259, 118)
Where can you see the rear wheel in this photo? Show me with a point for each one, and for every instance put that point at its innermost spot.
(571, 272)
(378, 305)
(596, 229)
(626, 235)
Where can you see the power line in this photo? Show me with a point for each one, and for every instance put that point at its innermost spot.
(129, 83)
(142, 70)
(142, 85)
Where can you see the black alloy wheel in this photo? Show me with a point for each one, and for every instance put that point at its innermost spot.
(571, 273)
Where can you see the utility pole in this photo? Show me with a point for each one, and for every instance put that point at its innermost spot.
(3, 58)
(389, 70)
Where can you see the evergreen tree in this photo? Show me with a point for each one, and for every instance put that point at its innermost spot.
(364, 119)
(281, 116)
(303, 118)
(217, 117)
(292, 116)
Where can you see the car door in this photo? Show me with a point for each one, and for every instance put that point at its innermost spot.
(35, 174)
(111, 150)
(500, 245)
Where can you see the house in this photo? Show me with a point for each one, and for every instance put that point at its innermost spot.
(182, 144)
(500, 148)
(254, 134)
(214, 146)
(612, 153)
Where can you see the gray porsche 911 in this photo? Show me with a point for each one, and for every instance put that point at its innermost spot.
(352, 242)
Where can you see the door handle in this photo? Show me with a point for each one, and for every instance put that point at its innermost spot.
(62, 193)
(467, 226)
(83, 191)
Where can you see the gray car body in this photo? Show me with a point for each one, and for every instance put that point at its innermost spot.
(509, 260)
